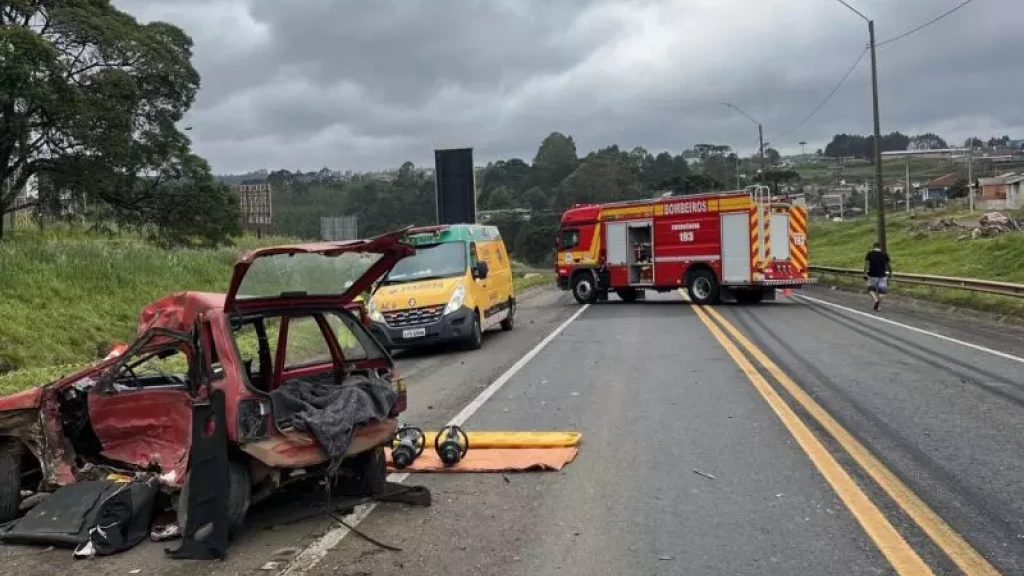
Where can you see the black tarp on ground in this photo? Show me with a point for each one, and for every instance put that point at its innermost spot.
(114, 516)
(330, 412)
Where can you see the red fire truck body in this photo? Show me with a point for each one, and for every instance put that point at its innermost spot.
(739, 244)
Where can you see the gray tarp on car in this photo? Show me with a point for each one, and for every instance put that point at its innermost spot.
(331, 411)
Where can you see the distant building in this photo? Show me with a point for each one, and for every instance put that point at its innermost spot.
(1003, 191)
(940, 188)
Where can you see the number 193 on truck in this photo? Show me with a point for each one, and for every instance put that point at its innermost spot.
(742, 244)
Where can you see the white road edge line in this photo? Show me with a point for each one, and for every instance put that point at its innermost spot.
(316, 551)
(915, 329)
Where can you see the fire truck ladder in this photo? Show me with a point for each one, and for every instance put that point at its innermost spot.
(761, 196)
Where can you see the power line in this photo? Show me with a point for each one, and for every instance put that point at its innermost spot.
(827, 98)
(926, 24)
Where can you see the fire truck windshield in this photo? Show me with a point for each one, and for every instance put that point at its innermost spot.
(437, 261)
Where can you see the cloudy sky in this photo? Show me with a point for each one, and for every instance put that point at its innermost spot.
(367, 84)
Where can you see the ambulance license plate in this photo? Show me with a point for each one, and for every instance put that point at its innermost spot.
(414, 333)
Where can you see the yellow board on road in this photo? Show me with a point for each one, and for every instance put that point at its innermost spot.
(516, 439)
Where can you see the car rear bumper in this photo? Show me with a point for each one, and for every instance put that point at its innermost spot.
(454, 327)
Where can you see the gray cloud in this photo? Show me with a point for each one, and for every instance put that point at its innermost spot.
(352, 84)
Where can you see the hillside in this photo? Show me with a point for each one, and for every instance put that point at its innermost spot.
(913, 249)
(67, 297)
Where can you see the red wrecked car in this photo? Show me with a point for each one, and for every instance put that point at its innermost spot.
(307, 390)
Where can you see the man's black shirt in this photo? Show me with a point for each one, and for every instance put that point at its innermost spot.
(877, 261)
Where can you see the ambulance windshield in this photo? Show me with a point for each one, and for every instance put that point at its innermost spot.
(437, 261)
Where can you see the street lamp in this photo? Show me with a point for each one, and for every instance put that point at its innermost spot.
(878, 128)
(760, 132)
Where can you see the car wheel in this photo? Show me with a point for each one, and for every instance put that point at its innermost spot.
(702, 287)
(626, 294)
(365, 474)
(583, 288)
(509, 322)
(10, 483)
(239, 492)
(476, 336)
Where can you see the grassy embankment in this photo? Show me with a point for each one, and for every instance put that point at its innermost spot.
(843, 244)
(66, 297)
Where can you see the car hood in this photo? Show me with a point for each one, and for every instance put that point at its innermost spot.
(433, 292)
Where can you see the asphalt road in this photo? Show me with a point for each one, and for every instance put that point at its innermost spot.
(871, 448)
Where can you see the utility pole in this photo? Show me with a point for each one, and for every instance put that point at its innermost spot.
(878, 139)
(760, 136)
(878, 127)
(760, 140)
(906, 187)
(970, 178)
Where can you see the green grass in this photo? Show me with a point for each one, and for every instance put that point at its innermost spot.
(843, 244)
(66, 297)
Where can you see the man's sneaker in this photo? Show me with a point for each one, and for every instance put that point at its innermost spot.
(877, 305)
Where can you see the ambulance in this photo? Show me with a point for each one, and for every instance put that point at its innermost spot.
(742, 245)
(455, 287)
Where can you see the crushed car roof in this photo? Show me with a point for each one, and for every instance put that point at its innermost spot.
(178, 311)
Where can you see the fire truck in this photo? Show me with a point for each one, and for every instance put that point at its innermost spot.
(742, 245)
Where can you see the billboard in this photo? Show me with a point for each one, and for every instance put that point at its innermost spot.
(256, 205)
(455, 186)
(335, 228)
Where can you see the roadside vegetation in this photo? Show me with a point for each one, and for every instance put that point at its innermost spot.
(915, 249)
(68, 296)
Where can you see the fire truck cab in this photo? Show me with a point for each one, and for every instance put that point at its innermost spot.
(742, 244)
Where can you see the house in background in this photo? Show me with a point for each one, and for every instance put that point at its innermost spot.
(1002, 192)
(940, 188)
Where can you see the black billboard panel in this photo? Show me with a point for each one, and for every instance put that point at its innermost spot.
(455, 186)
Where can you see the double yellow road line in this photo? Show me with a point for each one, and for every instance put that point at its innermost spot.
(904, 559)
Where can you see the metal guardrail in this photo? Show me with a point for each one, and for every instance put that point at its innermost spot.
(968, 284)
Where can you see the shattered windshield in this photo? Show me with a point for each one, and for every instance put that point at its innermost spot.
(438, 261)
(283, 275)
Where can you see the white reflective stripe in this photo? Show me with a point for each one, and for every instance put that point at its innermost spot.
(705, 258)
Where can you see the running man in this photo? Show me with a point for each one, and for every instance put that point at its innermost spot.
(877, 271)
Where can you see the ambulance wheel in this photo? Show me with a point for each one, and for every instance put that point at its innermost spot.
(583, 288)
(476, 336)
(749, 296)
(509, 322)
(626, 294)
(702, 286)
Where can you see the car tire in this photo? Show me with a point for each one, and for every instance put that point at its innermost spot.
(702, 287)
(476, 336)
(10, 483)
(626, 294)
(584, 288)
(749, 296)
(509, 322)
(239, 493)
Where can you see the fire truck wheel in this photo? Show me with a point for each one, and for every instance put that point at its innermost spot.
(702, 286)
(583, 289)
(626, 294)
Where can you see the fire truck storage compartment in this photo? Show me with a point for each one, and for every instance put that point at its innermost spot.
(736, 248)
(780, 236)
(640, 252)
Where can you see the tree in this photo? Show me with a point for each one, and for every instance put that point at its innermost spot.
(555, 160)
(777, 177)
(959, 189)
(973, 143)
(772, 155)
(83, 85)
(594, 181)
(499, 198)
(536, 199)
(928, 141)
(998, 142)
